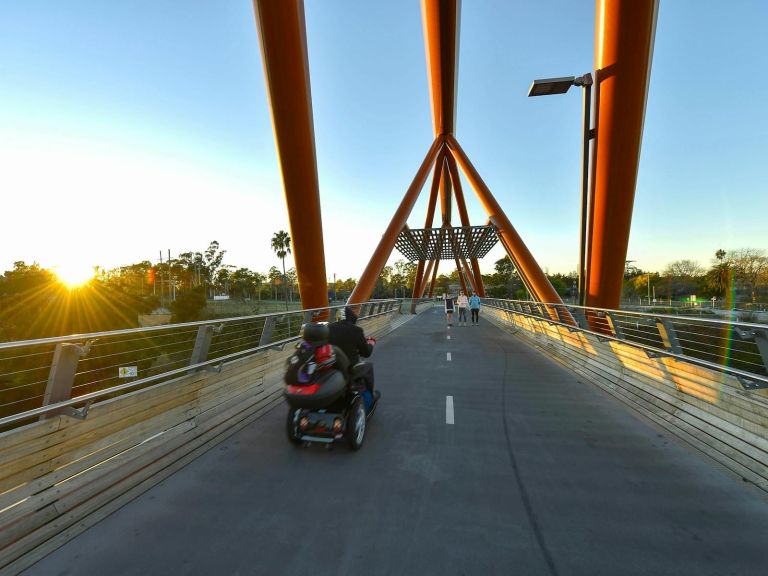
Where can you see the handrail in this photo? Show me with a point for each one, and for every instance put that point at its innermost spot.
(753, 338)
(93, 335)
(65, 362)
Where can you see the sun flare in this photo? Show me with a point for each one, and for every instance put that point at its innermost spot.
(74, 275)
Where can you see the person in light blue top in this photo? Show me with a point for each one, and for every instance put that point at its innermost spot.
(474, 307)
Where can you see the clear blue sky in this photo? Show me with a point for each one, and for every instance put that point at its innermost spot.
(130, 127)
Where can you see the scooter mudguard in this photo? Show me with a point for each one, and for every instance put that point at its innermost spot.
(327, 387)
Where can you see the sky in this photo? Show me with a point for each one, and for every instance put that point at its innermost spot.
(127, 128)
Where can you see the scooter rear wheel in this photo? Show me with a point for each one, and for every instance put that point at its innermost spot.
(356, 424)
(292, 425)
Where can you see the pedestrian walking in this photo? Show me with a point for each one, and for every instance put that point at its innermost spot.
(474, 307)
(449, 307)
(462, 302)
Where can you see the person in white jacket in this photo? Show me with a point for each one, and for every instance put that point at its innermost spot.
(462, 303)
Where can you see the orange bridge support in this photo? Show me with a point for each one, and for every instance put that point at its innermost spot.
(624, 37)
(282, 35)
(367, 282)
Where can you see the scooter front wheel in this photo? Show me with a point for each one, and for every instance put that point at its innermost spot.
(292, 426)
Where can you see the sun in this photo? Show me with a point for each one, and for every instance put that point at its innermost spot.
(74, 275)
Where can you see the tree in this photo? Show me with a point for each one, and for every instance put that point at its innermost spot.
(188, 305)
(292, 280)
(281, 244)
(384, 283)
(504, 267)
(212, 261)
(749, 267)
(506, 282)
(275, 279)
(405, 272)
(682, 277)
(719, 278)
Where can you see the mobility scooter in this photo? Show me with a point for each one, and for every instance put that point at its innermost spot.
(327, 399)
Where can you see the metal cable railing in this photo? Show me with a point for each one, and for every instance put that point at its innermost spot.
(736, 348)
(102, 364)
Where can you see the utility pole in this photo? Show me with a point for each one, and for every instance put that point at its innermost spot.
(160, 270)
(172, 284)
(649, 288)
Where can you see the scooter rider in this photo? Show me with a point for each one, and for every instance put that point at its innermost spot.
(353, 342)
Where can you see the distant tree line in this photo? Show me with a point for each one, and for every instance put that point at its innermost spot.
(34, 304)
(736, 277)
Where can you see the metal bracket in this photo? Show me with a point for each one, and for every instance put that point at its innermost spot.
(744, 334)
(75, 413)
(653, 354)
(748, 384)
(214, 368)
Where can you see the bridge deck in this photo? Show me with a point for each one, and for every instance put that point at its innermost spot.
(539, 474)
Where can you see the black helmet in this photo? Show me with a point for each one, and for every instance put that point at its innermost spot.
(349, 315)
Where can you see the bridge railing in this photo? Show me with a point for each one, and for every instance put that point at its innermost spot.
(88, 440)
(48, 376)
(702, 380)
(736, 348)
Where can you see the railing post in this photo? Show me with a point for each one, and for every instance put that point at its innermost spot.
(62, 377)
(266, 333)
(761, 339)
(203, 343)
(581, 318)
(668, 335)
(614, 325)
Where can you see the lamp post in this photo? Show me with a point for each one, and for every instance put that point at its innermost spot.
(649, 288)
(548, 86)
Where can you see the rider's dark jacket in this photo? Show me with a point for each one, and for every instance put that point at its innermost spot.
(351, 339)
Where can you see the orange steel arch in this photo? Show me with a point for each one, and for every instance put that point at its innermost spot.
(624, 41)
(440, 22)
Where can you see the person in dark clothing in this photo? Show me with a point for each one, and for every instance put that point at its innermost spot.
(352, 341)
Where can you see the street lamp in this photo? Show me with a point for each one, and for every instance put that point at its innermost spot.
(546, 87)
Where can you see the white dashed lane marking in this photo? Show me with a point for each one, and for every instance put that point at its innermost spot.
(449, 356)
(449, 409)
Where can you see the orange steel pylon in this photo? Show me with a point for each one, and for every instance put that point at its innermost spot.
(624, 39)
(440, 18)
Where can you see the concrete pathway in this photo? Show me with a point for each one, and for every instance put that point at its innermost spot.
(484, 457)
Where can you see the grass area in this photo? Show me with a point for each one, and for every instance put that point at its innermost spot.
(231, 308)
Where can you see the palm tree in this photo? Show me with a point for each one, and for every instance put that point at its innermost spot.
(281, 244)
